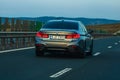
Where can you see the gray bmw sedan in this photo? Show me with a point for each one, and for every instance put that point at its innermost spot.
(64, 35)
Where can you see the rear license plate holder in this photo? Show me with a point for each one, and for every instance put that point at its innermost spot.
(57, 37)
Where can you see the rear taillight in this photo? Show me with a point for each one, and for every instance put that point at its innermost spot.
(42, 35)
(73, 36)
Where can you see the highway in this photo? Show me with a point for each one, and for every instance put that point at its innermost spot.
(24, 65)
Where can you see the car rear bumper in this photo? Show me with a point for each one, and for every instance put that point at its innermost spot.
(65, 48)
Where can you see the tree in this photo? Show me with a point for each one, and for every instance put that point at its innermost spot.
(38, 26)
(25, 25)
(13, 24)
(18, 25)
(6, 25)
(32, 26)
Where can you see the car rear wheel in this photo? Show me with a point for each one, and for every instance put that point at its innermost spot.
(39, 53)
(82, 53)
(91, 49)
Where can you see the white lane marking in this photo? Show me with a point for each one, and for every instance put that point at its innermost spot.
(109, 47)
(96, 54)
(116, 43)
(60, 73)
(16, 49)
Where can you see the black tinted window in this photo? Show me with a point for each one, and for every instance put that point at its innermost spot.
(61, 25)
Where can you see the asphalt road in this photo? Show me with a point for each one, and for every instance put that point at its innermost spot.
(103, 65)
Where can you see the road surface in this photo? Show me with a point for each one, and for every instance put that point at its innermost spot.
(24, 65)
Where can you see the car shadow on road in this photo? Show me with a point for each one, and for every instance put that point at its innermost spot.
(62, 55)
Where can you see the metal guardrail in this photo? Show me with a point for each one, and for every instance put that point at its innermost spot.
(13, 40)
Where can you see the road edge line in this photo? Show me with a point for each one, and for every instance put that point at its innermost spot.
(16, 49)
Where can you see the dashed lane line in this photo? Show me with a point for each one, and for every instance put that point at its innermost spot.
(116, 43)
(16, 49)
(96, 54)
(109, 47)
(60, 73)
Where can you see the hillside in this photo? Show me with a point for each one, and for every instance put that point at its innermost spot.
(86, 21)
(107, 28)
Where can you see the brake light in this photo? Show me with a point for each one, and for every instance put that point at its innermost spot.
(73, 36)
(42, 35)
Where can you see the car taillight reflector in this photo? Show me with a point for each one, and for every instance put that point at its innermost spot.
(73, 36)
(42, 35)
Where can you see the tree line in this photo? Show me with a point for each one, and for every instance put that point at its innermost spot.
(17, 25)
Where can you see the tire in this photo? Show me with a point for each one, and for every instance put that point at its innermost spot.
(82, 53)
(39, 53)
(91, 49)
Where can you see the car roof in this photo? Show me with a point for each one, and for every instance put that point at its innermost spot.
(64, 20)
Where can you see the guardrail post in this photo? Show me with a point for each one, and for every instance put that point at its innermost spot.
(11, 42)
(23, 42)
(16, 42)
(3, 43)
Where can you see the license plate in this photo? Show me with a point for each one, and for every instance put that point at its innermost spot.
(56, 37)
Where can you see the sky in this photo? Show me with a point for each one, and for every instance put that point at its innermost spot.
(109, 9)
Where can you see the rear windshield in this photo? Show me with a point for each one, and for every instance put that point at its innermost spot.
(61, 25)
